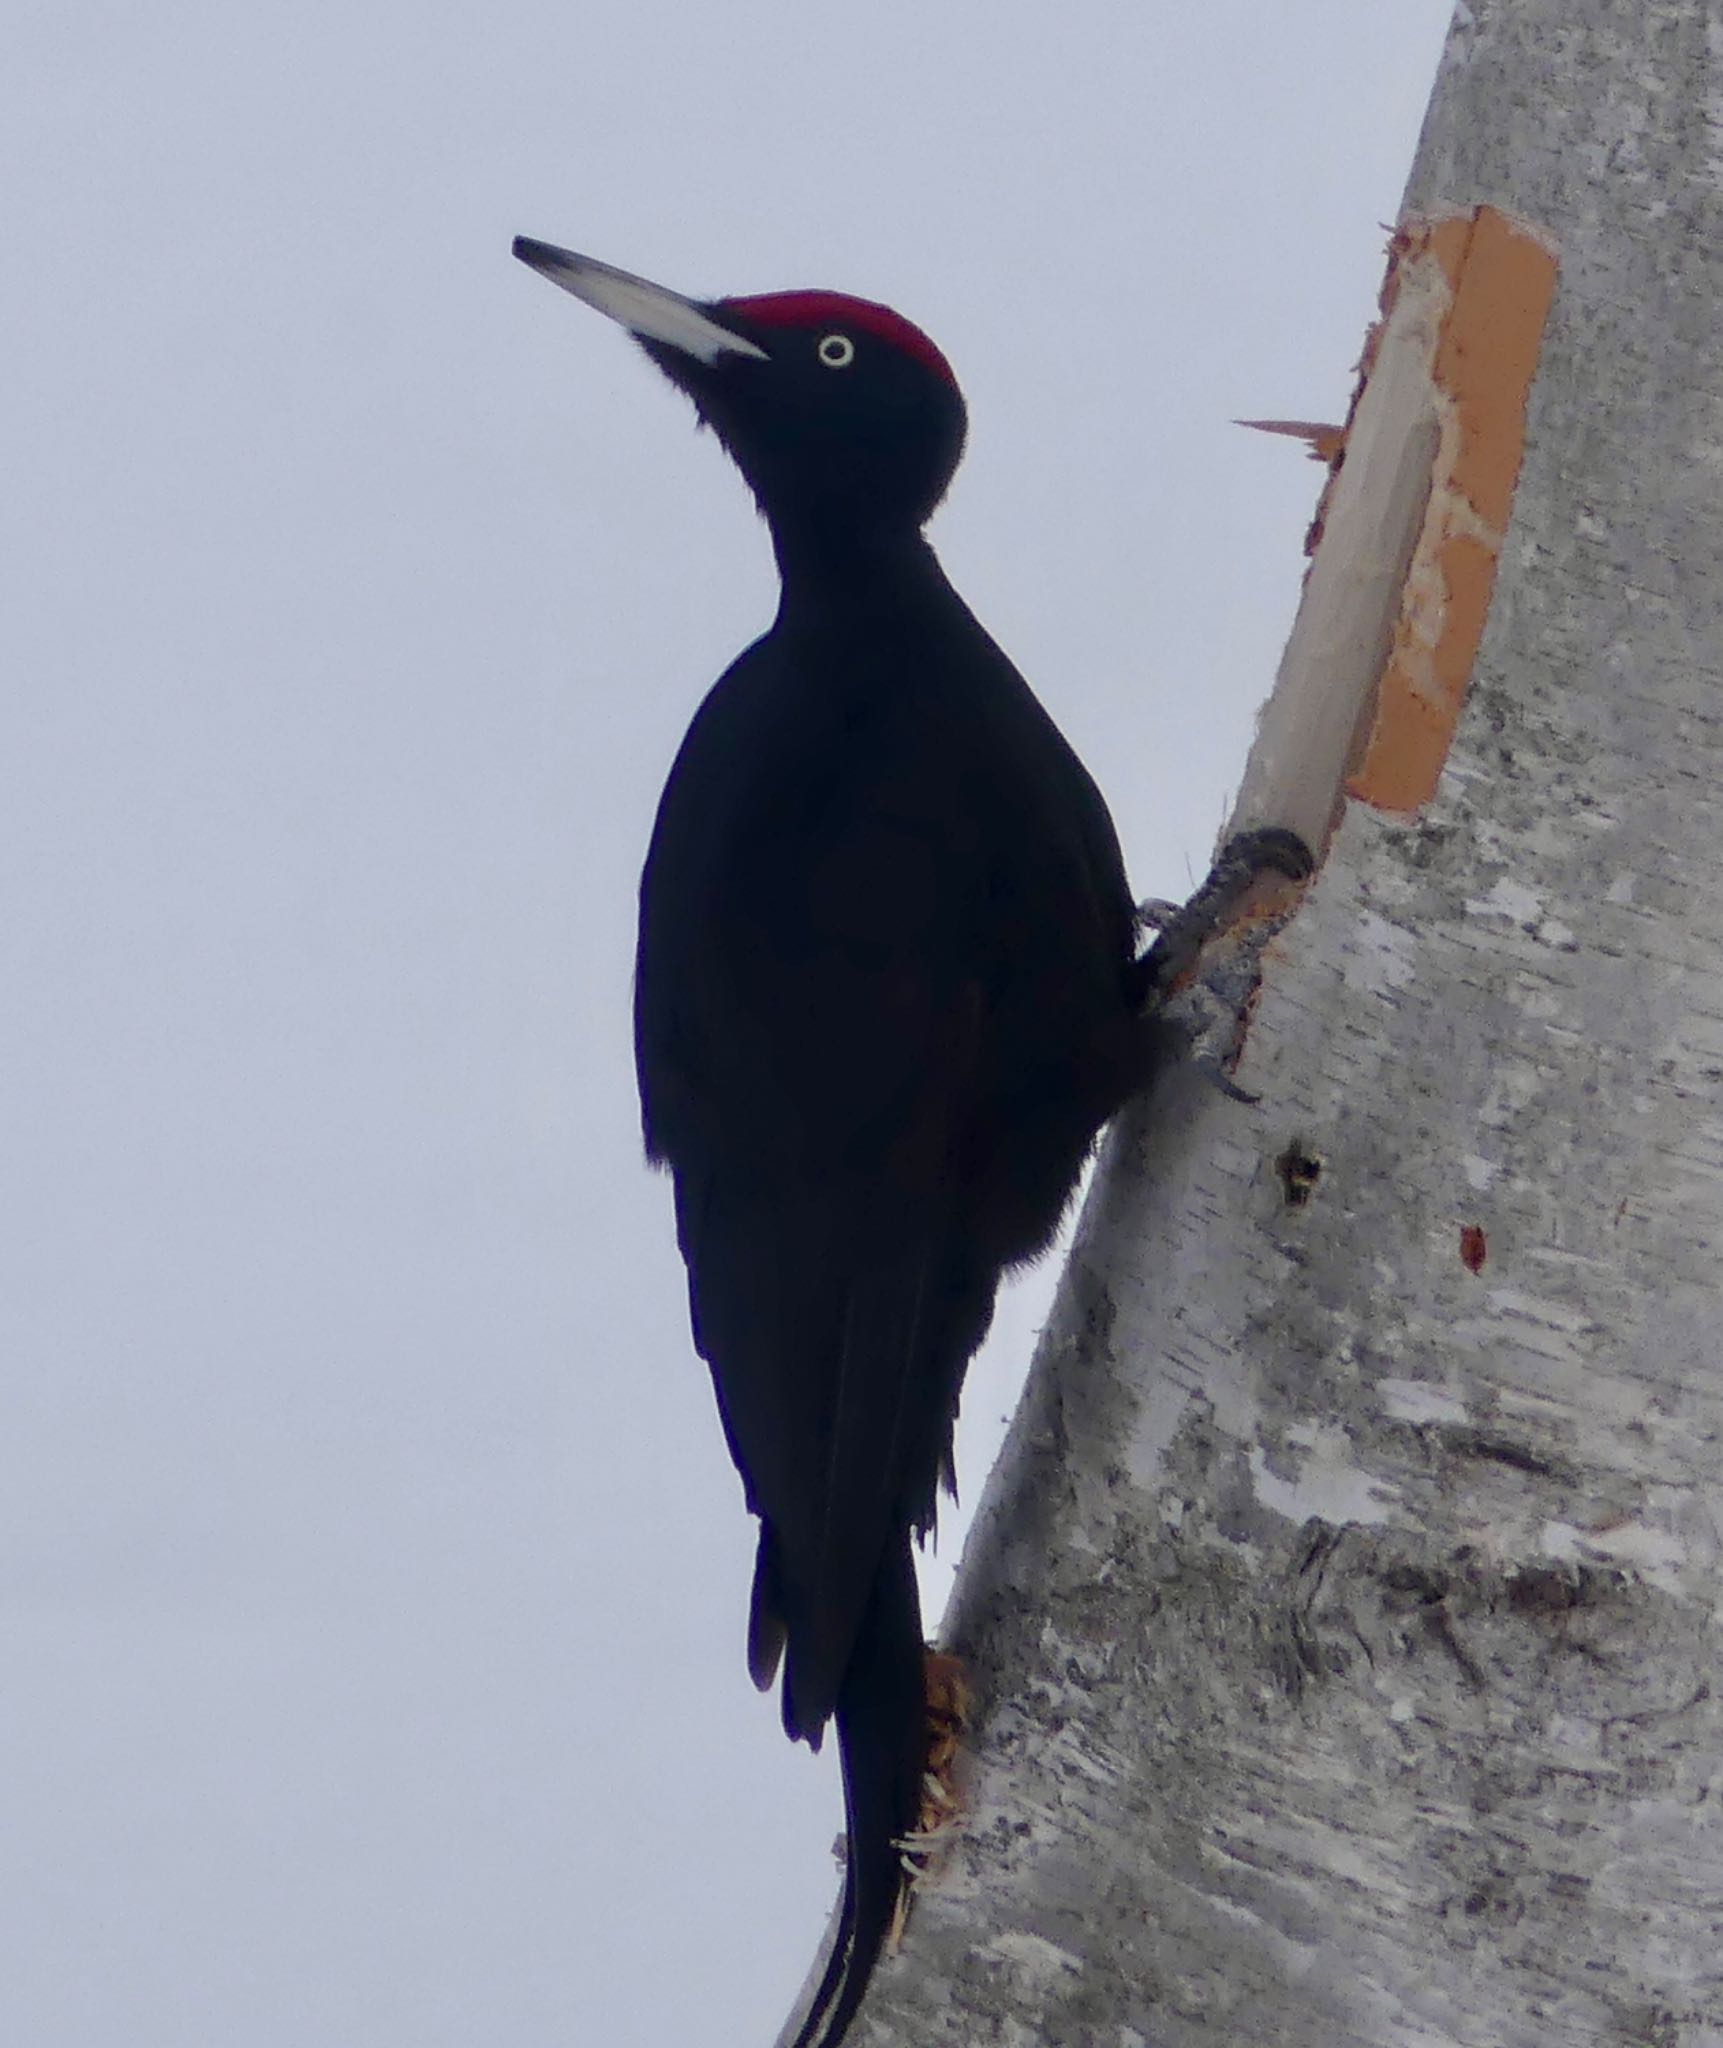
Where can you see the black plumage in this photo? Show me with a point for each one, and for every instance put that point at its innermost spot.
(887, 991)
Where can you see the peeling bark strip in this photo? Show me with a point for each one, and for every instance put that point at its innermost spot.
(1408, 529)
(1498, 283)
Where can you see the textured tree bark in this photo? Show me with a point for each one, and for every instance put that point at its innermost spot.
(1343, 1613)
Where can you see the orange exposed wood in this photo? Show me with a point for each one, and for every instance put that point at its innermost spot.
(1499, 285)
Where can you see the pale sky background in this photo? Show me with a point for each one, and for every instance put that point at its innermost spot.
(372, 1574)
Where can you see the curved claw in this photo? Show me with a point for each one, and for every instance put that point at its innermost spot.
(1209, 1066)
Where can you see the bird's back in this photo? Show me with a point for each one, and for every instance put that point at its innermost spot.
(885, 936)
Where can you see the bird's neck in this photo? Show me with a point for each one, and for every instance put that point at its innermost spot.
(839, 571)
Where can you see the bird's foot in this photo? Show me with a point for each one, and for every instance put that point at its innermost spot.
(948, 1709)
(1183, 930)
(1214, 999)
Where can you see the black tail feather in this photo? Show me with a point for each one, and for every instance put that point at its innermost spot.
(882, 1741)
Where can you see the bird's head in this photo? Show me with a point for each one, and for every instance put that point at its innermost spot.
(846, 420)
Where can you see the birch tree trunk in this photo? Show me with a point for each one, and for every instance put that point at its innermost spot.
(1343, 1614)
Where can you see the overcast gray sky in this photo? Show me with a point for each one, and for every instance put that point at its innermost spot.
(372, 1575)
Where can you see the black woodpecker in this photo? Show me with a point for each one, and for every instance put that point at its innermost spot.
(887, 991)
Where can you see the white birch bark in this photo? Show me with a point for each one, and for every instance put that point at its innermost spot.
(1344, 1621)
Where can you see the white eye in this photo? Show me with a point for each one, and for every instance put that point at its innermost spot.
(837, 351)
